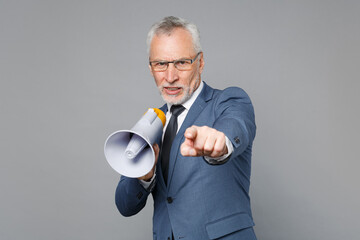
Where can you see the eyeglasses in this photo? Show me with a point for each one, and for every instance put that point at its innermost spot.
(180, 64)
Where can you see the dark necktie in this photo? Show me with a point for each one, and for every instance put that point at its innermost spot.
(169, 136)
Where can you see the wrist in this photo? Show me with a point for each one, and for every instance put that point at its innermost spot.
(150, 183)
(149, 178)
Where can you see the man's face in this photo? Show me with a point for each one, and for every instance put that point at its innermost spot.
(176, 86)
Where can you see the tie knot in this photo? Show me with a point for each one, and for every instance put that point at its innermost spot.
(176, 110)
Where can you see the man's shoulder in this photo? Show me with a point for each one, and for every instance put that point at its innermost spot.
(229, 93)
(228, 90)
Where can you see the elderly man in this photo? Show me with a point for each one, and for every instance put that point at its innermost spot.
(200, 184)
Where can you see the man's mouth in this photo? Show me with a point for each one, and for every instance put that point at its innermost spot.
(172, 90)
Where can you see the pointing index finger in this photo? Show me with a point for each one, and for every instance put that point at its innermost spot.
(191, 132)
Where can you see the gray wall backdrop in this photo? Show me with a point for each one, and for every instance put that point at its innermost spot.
(72, 72)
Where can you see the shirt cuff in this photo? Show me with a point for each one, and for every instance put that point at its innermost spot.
(221, 159)
(149, 185)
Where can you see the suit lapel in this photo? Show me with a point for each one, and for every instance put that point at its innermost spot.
(195, 110)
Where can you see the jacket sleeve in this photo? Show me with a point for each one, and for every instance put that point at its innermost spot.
(130, 196)
(235, 118)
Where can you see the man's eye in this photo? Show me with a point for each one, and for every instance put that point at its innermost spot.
(182, 62)
(161, 63)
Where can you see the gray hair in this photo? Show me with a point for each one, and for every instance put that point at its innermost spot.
(168, 24)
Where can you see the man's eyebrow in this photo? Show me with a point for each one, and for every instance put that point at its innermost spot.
(184, 58)
(178, 59)
(157, 60)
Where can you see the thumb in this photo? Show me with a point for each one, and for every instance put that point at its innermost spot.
(156, 150)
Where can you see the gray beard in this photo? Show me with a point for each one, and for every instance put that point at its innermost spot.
(187, 95)
(184, 98)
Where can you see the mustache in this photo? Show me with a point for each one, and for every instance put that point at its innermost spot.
(172, 86)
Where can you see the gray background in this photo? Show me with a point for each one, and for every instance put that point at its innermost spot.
(72, 72)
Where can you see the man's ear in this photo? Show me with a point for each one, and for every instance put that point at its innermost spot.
(201, 62)
(151, 71)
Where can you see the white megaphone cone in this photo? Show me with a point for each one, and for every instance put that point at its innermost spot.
(130, 152)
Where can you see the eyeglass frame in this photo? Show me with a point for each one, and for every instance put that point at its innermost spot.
(174, 62)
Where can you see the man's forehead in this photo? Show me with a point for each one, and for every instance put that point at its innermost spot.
(177, 44)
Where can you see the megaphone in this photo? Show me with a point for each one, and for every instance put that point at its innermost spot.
(130, 152)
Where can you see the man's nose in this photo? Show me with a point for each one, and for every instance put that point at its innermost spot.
(171, 73)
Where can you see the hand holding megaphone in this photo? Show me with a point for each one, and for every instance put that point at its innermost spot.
(150, 174)
(131, 152)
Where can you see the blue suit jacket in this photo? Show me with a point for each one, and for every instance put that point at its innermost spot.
(200, 200)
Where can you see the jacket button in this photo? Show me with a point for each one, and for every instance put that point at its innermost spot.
(169, 199)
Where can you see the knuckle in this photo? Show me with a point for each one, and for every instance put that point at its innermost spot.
(208, 148)
(218, 149)
(221, 134)
(203, 128)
